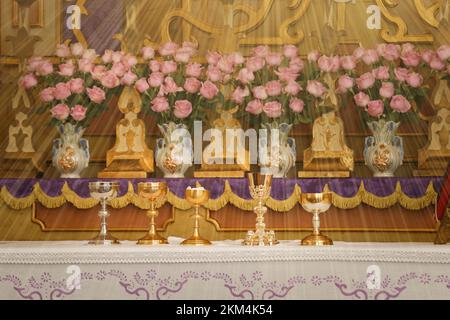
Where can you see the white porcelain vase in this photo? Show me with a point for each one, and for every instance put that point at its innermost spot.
(383, 152)
(70, 153)
(277, 151)
(174, 152)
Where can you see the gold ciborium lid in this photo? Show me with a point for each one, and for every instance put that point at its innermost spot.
(103, 190)
(197, 196)
(258, 179)
(316, 202)
(152, 190)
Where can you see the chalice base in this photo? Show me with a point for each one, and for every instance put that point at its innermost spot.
(104, 240)
(196, 241)
(152, 240)
(317, 240)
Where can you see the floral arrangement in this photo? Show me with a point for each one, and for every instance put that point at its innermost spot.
(80, 85)
(174, 87)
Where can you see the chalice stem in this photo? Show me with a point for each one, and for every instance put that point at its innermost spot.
(196, 223)
(316, 223)
(103, 223)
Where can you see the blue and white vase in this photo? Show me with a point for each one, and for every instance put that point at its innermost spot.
(383, 152)
(70, 153)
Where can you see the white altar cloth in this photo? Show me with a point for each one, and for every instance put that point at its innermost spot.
(226, 270)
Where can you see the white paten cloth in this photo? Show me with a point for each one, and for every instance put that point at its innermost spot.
(226, 270)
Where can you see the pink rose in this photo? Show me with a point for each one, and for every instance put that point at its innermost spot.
(359, 53)
(345, 83)
(362, 99)
(415, 80)
(254, 107)
(274, 59)
(411, 58)
(273, 88)
(209, 90)
(117, 56)
(366, 81)
(90, 55)
(107, 56)
(313, 56)
(110, 80)
(261, 51)
(436, 63)
(237, 58)
(391, 52)
(182, 109)
(60, 112)
(168, 67)
(45, 68)
(239, 94)
(245, 76)
(85, 65)
(46, 95)
(170, 86)
(292, 88)
(142, 85)
(63, 51)
(296, 105)
(156, 79)
(67, 69)
(154, 66)
(290, 51)
(213, 57)
(194, 70)
(225, 65)
(400, 104)
(160, 104)
(192, 85)
(78, 113)
(62, 91)
(98, 72)
(255, 64)
(444, 52)
(287, 74)
(148, 53)
(76, 85)
(129, 78)
(381, 73)
(407, 47)
(260, 92)
(77, 49)
(387, 90)
(370, 57)
(273, 109)
(119, 69)
(34, 63)
(96, 95)
(168, 49)
(375, 108)
(401, 74)
(348, 63)
(214, 74)
(129, 61)
(325, 64)
(28, 81)
(427, 55)
(316, 88)
(296, 64)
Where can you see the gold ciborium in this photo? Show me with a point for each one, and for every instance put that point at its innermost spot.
(155, 193)
(260, 192)
(316, 203)
(104, 191)
(197, 197)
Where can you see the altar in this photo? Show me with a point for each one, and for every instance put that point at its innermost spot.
(226, 271)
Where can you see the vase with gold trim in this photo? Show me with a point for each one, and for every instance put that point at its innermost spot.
(383, 152)
(174, 152)
(70, 152)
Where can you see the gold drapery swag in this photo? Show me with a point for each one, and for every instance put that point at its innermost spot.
(228, 197)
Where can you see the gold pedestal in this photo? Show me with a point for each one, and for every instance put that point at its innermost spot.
(317, 240)
(197, 197)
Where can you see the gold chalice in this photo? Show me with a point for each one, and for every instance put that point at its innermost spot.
(197, 197)
(154, 193)
(260, 192)
(104, 191)
(316, 203)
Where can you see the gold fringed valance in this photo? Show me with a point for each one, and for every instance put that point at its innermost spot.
(228, 197)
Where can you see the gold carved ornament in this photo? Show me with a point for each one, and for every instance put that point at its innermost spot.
(433, 14)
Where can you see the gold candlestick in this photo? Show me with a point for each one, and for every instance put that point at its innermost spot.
(260, 192)
(197, 197)
(155, 193)
(104, 191)
(316, 203)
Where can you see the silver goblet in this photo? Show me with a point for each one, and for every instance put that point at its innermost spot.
(104, 191)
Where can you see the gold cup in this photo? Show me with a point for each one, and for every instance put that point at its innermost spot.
(153, 192)
(316, 203)
(104, 191)
(260, 192)
(197, 197)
